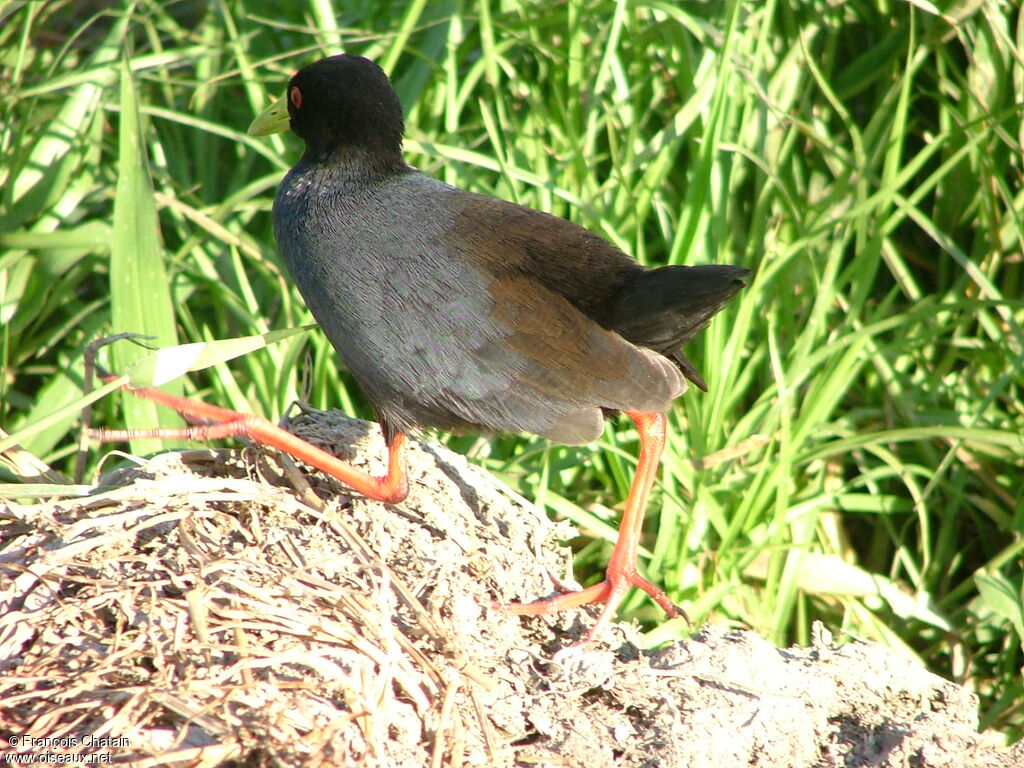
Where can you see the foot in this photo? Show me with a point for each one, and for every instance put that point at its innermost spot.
(609, 593)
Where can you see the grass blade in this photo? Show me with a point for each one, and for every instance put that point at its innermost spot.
(140, 292)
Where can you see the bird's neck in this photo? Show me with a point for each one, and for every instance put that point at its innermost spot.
(356, 164)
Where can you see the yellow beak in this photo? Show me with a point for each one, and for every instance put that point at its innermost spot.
(274, 119)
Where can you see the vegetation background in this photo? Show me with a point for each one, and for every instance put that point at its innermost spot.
(859, 459)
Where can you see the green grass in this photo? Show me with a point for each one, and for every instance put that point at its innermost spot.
(860, 457)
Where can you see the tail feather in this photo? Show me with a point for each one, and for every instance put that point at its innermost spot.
(664, 308)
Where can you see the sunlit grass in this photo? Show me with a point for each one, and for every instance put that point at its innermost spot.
(859, 458)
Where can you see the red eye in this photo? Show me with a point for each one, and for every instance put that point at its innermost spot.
(295, 97)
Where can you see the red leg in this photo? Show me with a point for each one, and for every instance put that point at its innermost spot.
(221, 422)
(622, 572)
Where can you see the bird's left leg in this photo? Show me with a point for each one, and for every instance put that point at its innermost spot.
(218, 423)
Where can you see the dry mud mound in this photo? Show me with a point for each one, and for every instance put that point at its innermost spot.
(211, 608)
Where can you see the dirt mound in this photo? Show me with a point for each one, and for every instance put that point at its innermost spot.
(212, 608)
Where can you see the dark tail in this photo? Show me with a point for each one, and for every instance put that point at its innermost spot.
(664, 308)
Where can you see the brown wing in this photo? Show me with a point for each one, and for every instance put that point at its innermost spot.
(660, 309)
(564, 257)
(567, 359)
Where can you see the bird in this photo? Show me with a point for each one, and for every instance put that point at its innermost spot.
(467, 313)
